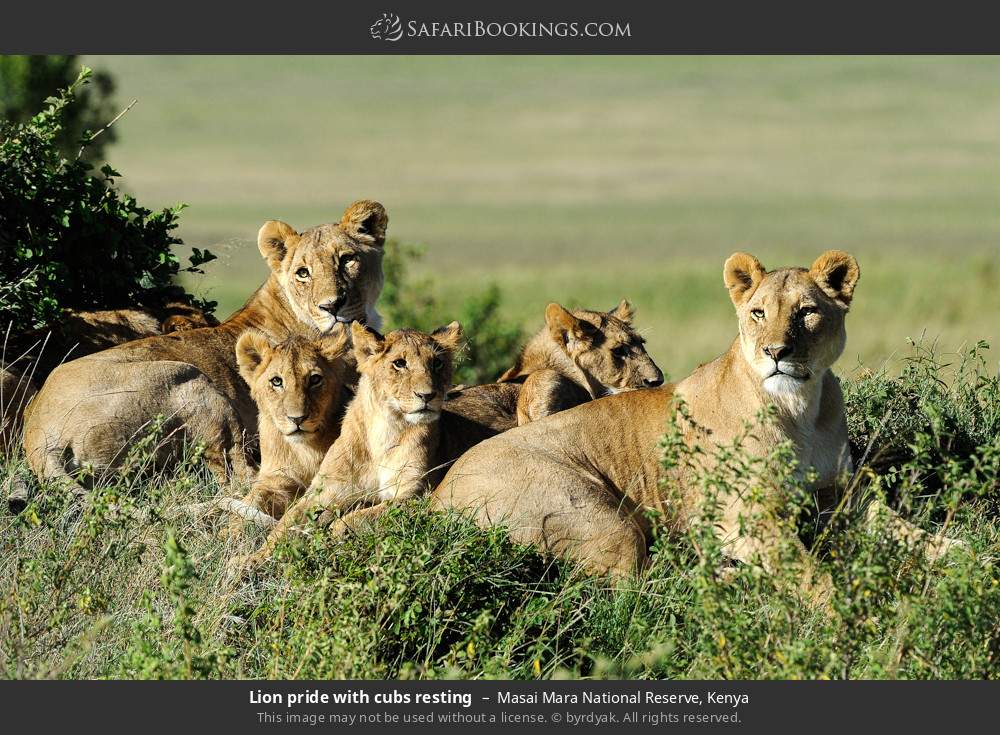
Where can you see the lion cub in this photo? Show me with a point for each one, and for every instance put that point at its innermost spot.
(580, 355)
(389, 438)
(298, 386)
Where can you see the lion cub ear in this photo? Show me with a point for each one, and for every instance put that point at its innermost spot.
(623, 311)
(366, 220)
(273, 241)
(565, 328)
(252, 348)
(742, 273)
(333, 346)
(449, 337)
(367, 342)
(837, 273)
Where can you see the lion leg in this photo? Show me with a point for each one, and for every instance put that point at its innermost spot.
(271, 495)
(934, 546)
(750, 535)
(360, 520)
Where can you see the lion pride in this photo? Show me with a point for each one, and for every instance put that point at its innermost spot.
(92, 410)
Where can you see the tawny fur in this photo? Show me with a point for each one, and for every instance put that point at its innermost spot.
(390, 435)
(577, 356)
(577, 483)
(91, 410)
(299, 388)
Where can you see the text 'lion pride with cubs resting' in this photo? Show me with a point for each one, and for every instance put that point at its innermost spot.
(578, 483)
(92, 410)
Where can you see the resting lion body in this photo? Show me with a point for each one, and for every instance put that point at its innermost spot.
(577, 356)
(578, 483)
(92, 410)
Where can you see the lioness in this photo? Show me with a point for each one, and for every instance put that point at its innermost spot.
(576, 483)
(579, 356)
(389, 441)
(90, 410)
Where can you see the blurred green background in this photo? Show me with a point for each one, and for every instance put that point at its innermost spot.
(589, 179)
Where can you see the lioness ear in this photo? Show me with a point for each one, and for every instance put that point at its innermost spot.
(332, 346)
(252, 348)
(273, 241)
(742, 273)
(367, 342)
(837, 273)
(563, 326)
(366, 221)
(623, 311)
(449, 337)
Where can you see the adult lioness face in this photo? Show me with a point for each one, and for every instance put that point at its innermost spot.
(330, 273)
(295, 383)
(791, 320)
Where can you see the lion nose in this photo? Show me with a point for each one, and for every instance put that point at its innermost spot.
(332, 306)
(654, 382)
(297, 420)
(776, 352)
(425, 397)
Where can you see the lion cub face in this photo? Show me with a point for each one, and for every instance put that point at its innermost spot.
(295, 383)
(330, 273)
(604, 346)
(792, 319)
(408, 370)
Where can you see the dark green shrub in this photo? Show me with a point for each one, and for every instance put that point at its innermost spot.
(70, 238)
(26, 82)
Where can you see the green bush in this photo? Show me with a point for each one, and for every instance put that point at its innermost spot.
(491, 341)
(70, 238)
(26, 82)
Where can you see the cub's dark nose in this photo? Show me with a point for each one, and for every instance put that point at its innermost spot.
(297, 420)
(332, 307)
(654, 382)
(426, 397)
(776, 352)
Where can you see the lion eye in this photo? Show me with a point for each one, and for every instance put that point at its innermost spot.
(399, 364)
(315, 380)
(621, 352)
(757, 314)
(348, 259)
(302, 273)
(807, 310)
(277, 382)
(437, 364)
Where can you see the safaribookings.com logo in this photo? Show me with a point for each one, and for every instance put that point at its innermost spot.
(390, 28)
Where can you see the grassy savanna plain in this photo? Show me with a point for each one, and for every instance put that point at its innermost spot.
(580, 180)
(585, 180)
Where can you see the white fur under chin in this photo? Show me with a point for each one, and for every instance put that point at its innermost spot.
(790, 394)
(421, 417)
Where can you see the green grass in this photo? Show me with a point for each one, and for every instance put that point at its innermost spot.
(589, 179)
(124, 585)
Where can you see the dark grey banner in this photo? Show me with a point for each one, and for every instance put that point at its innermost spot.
(515, 27)
(455, 706)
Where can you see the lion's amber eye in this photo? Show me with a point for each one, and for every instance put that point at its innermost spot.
(757, 314)
(399, 364)
(302, 273)
(276, 381)
(315, 379)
